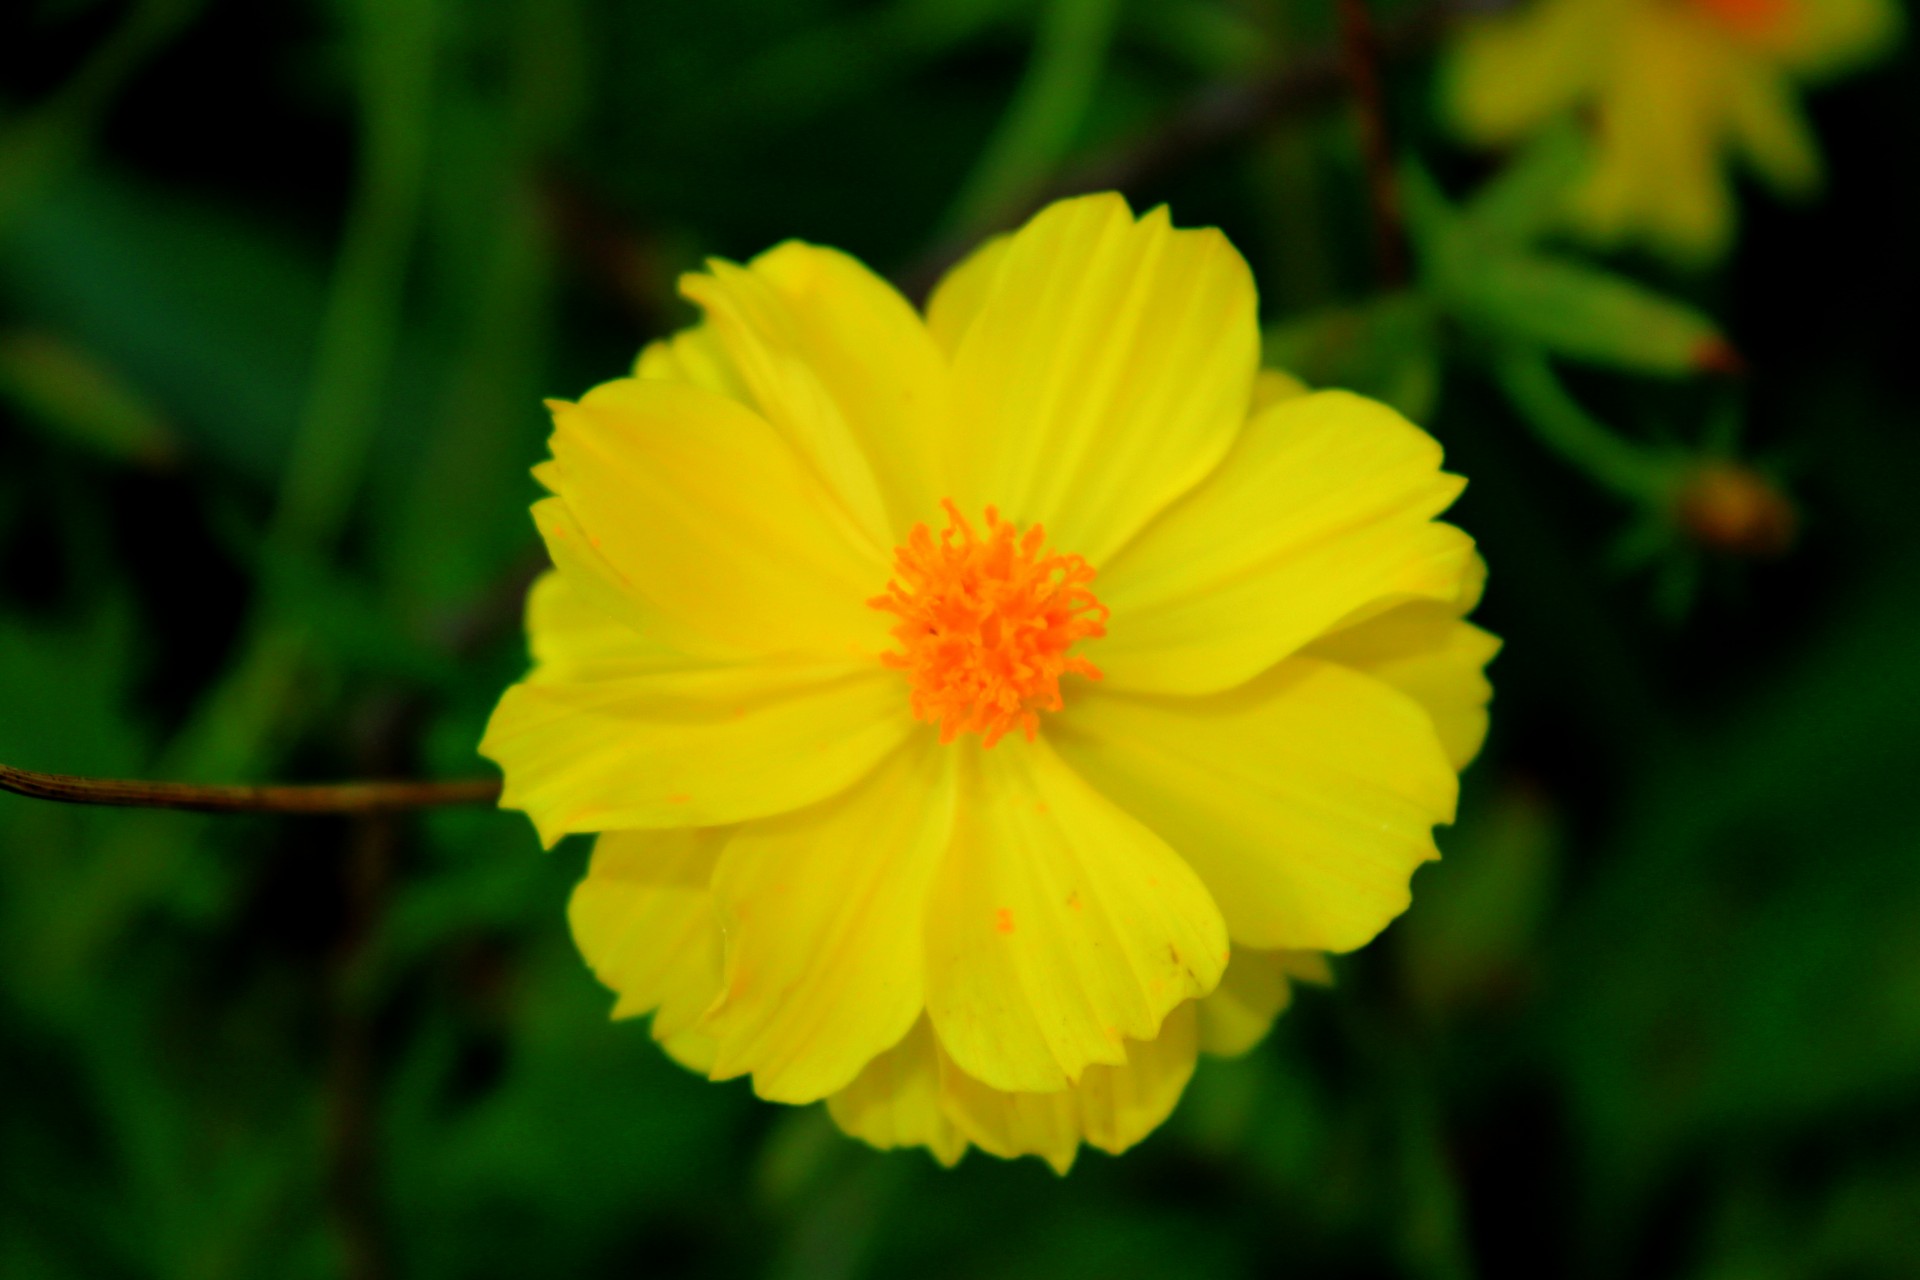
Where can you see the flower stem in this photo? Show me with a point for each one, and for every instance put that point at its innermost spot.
(1360, 60)
(338, 797)
(1560, 423)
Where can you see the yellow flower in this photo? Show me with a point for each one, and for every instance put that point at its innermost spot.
(952, 829)
(1673, 86)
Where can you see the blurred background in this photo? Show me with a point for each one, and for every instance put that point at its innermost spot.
(281, 288)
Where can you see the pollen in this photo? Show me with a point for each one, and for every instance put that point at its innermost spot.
(987, 624)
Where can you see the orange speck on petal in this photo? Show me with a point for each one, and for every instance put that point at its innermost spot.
(1073, 900)
(1003, 920)
(678, 797)
(986, 625)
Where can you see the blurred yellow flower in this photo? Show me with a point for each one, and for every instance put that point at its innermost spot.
(952, 829)
(1674, 87)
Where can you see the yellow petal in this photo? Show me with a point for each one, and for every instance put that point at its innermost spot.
(824, 914)
(1426, 652)
(1256, 989)
(644, 921)
(614, 728)
(1323, 508)
(1658, 175)
(572, 638)
(1304, 799)
(1473, 585)
(1058, 926)
(693, 505)
(692, 1048)
(1770, 128)
(1306, 966)
(963, 291)
(690, 747)
(1506, 76)
(1106, 371)
(1271, 387)
(1112, 1107)
(595, 583)
(696, 356)
(844, 368)
(896, 1101)
(1820, 38)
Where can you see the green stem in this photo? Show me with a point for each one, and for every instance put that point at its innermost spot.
(360, 328)
(1069, 52)
(1563, 425)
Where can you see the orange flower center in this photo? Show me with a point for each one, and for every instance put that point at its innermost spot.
(986, 622)
(1752, 18)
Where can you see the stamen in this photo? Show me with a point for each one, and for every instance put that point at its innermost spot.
(986, 623)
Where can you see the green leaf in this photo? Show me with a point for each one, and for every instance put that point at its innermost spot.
(1433, 225)
(1069, 54)
(451, 511)
(68, 393)
(1526, 199)
(210, 315)
(1630, 469)
(1479, 270)
(1587, 314)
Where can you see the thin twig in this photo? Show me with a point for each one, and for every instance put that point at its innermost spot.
(338, 797)
(386, 741)
(353, 1068)
(1360, 60)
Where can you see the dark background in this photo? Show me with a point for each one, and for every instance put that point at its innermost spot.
(281, 286)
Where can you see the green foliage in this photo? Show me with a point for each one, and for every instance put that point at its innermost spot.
(1046, 112)
(119, 268)
(62, 390)
(281, 288)
(1481, 266)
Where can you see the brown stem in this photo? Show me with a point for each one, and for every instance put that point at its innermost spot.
(353, 1066)
(339, 797)
(1360, 60)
